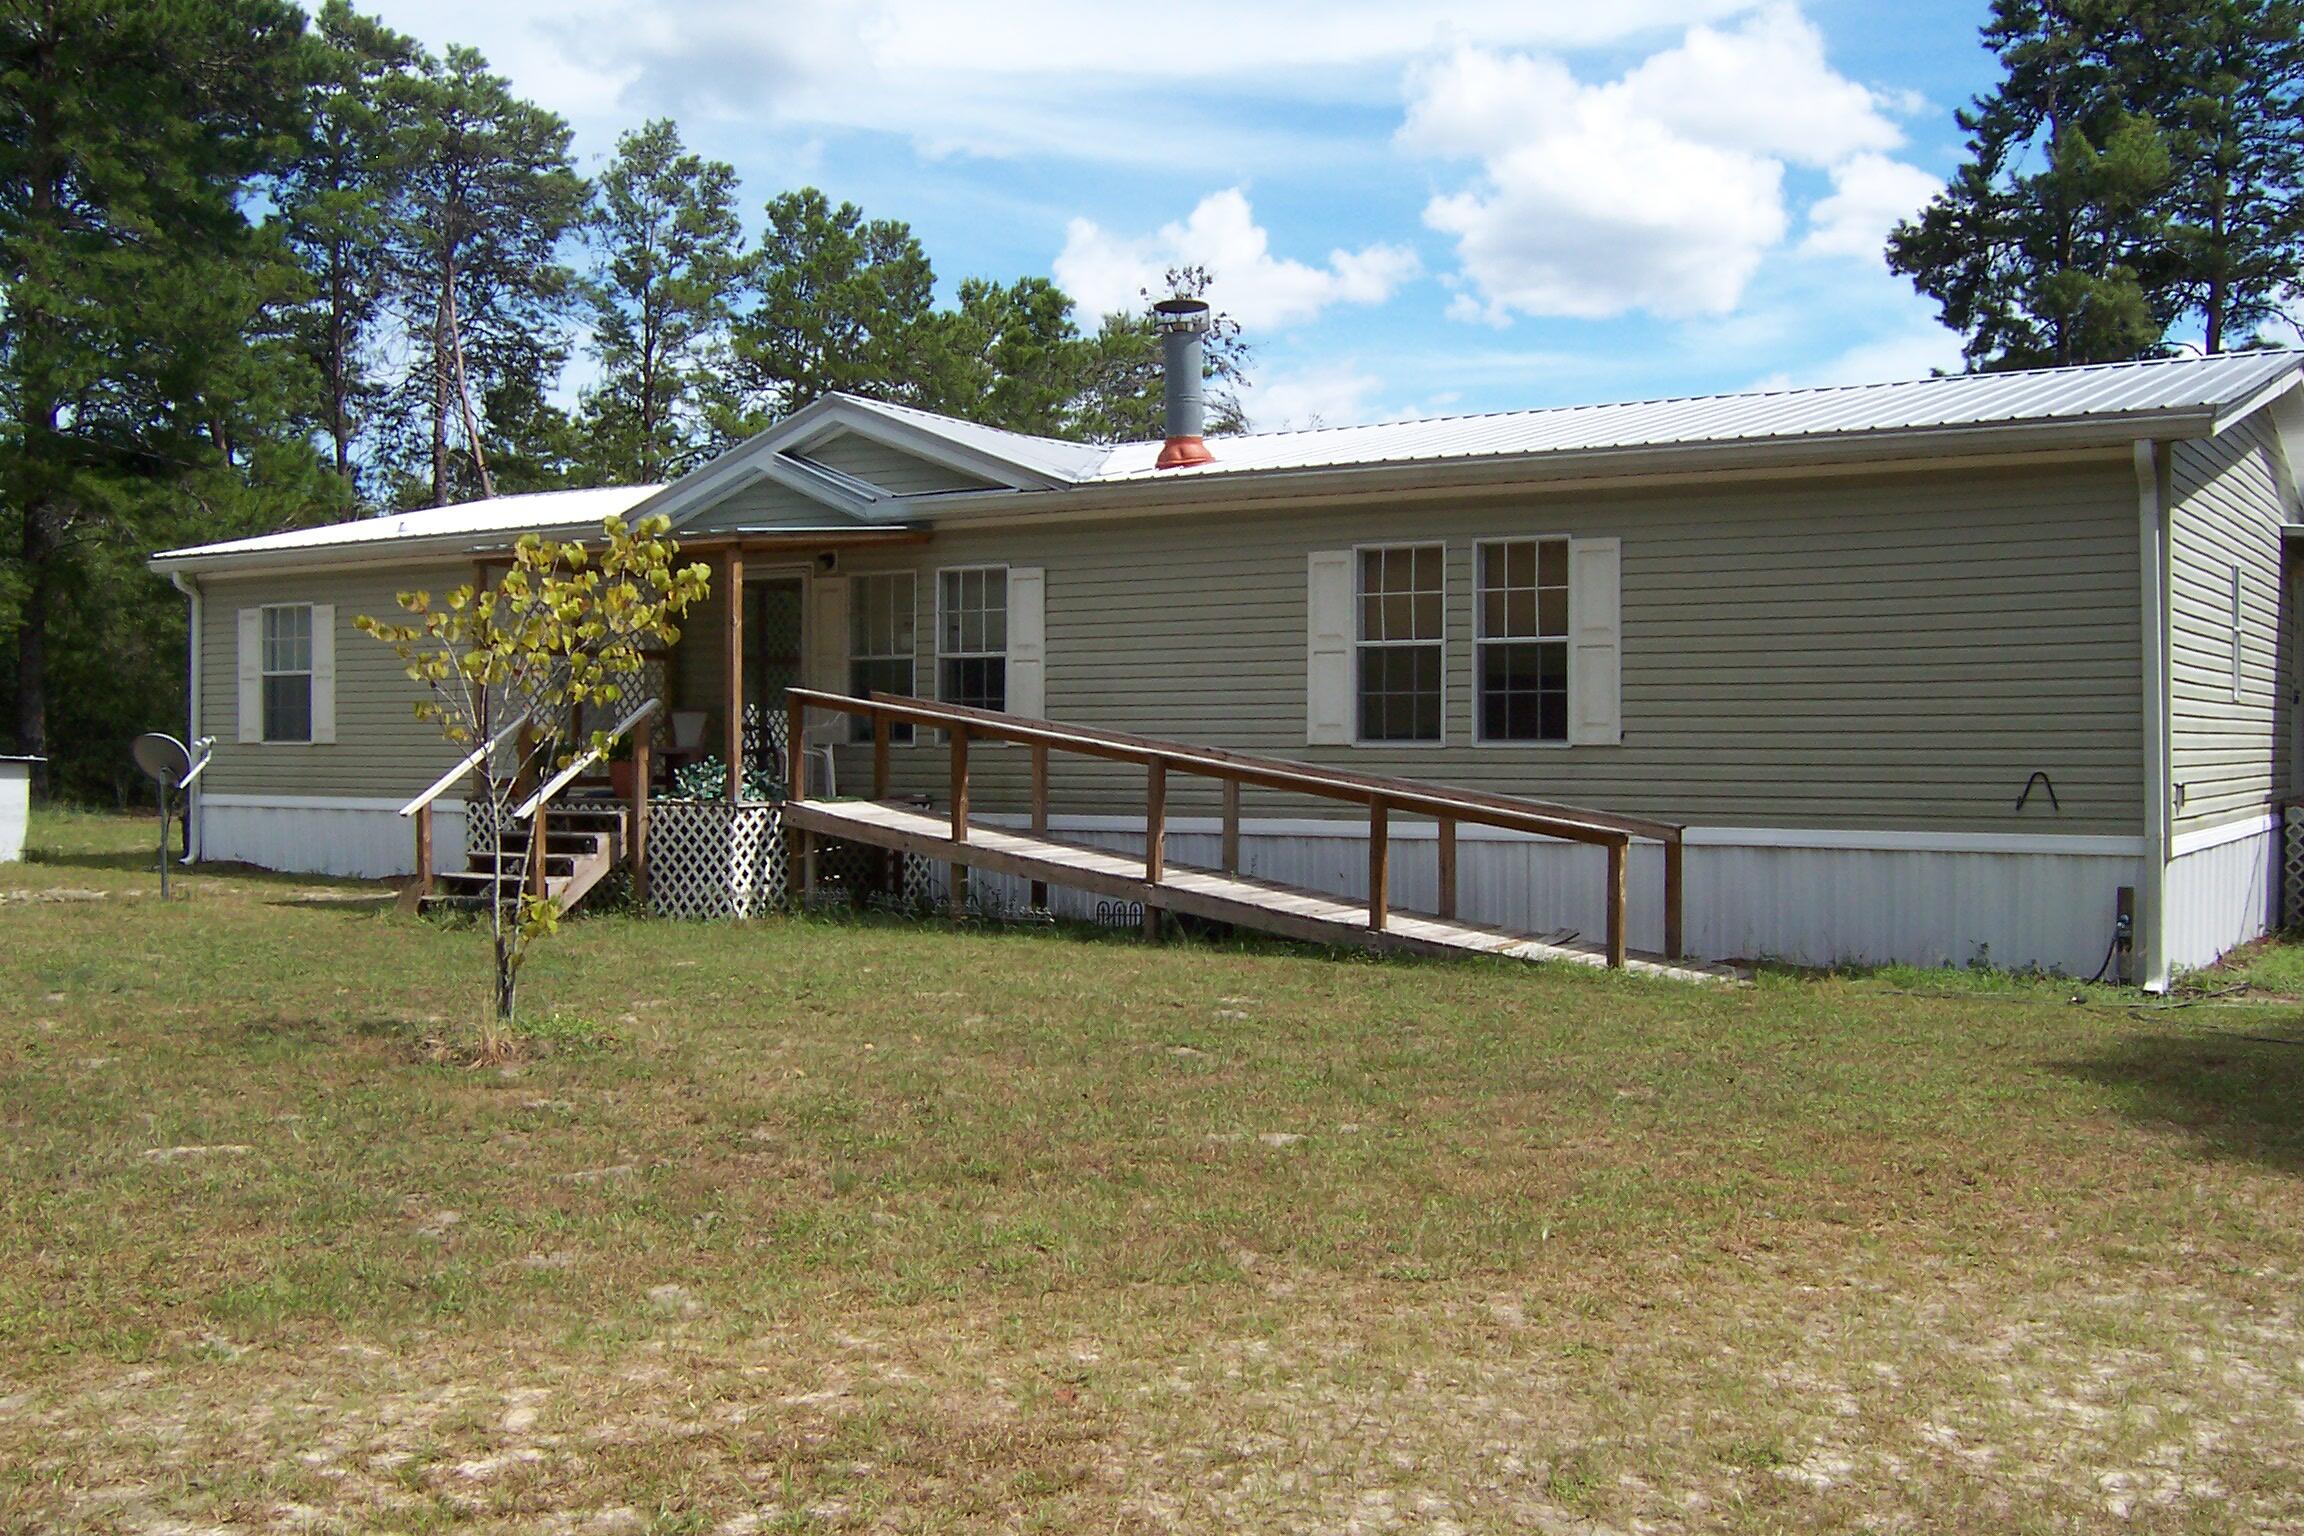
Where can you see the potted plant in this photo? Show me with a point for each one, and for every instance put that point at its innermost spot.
(623, 772)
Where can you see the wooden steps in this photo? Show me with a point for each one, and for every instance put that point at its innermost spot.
(582, 844)
(1236, 899)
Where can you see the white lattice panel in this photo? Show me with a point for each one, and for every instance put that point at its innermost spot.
(707, 858)
(2292, 867)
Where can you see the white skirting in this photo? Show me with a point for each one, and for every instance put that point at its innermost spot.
(1806, 898)
(2223, 889)
(321, 835)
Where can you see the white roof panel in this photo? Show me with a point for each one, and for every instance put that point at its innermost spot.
(501, 514)
(2107, 392)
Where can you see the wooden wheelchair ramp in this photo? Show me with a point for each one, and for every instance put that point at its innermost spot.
(952, 836)
(1285, 910)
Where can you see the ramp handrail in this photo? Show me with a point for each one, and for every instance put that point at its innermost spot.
(1380, 794)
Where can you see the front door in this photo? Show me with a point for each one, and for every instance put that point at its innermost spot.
(774, 611)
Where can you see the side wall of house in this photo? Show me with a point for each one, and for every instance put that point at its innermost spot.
(1851, 653)
(1845, 685)
(323, 808)
(2232, 682)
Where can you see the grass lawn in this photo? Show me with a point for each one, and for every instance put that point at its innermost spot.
(854, 1225)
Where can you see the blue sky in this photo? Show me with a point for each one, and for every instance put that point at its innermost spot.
(1478, 206)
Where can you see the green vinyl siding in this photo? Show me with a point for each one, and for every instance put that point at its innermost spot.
(764, 504)
(1884, 652)
(381, 750)
(891, 469)
(2231, 495)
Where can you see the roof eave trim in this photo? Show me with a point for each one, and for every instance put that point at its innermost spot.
(1851, 449)
(2232, 416)
(907, 436)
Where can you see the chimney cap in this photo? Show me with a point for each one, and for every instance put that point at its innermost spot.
(1180, 314)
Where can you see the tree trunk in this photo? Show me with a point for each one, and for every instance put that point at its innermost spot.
(440, 400)
(31, 681)
(464, 391)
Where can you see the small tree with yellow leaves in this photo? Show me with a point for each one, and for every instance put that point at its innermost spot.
(565, 628)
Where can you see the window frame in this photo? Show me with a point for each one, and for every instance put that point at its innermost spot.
(943, 655)
(1566, 640)
(2237, 619)
(1361, 645)
(901, 733)
(265, 672)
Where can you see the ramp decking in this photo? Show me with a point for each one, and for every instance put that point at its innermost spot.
(1259, 904)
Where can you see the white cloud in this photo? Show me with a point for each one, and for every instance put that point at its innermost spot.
(1002, 77)
(1914, 354)
(1870, 195)
(1104, 271)
(1328, 395)
(1661, 190)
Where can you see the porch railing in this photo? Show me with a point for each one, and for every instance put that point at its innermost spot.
(536, 807)
(421, 806)
(1446, 805)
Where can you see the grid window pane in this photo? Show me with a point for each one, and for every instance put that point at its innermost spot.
(1403, 616)
(1522, 662)
(286, 656)
(972, 637)
(1400, 693)
(1524, 691)
(288, 707)
(979, 682)
(288, 639)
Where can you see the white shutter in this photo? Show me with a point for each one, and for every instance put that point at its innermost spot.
(1595, 662)
(828, 650)
(1027, 640)
(323, 672)
(1328, 632)
(251, 674)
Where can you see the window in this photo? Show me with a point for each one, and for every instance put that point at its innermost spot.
(288, 673)
(972, 637)
(2235, 634)
(880, 643)
(1402, 603)
(1520, 649)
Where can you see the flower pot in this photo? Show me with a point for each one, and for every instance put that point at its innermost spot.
(623, 777)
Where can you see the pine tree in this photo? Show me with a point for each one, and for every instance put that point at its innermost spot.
(131, 134)
(2138, 165)
(1007, 356)
(669, 244)
(338, 199)
(475, 268)
(838, 304)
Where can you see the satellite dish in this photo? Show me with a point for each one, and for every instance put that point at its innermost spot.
(171, 766)
(162, 757)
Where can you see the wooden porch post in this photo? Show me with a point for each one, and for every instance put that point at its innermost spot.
(638, 836)
(958, 895)
(422, 887)
(795, 749)
(1618, 858)
(1039, 815)
(1231, 855)
(1155, 840)
(1379, 864)
(1673, 876)
(1448, 868)
(732, 668)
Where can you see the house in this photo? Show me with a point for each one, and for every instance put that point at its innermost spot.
(1981, 667)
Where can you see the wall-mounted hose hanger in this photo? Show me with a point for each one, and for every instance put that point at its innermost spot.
(2045, 783)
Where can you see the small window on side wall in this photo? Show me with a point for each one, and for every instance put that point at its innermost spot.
(1521, 640)
(972, 637)
(287, 664)
(881, 643)
(1402, 602)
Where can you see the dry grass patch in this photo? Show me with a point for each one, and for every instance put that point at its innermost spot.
(804, 1225)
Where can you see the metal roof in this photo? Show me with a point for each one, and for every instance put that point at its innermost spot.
(1057, 458)
(2182, 396)
(530, 513)
(2110, 393)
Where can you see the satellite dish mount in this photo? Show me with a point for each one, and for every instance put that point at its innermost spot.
(171, 766)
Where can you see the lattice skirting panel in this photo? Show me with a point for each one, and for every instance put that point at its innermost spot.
(2292, 867)
(707, 858)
